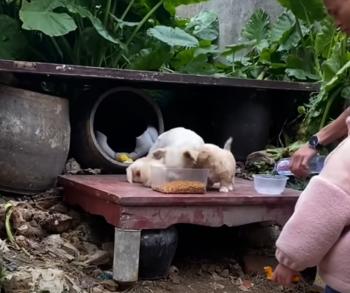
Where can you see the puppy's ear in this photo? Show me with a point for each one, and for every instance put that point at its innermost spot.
(191, 155)
(129, 174)
(159, 154)
(203, 156)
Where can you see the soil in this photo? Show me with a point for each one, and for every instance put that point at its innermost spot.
(52, 236)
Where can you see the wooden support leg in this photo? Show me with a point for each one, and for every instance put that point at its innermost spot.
(126, 255)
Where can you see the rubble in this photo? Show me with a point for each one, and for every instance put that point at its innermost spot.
(28, 279)
(58, 249)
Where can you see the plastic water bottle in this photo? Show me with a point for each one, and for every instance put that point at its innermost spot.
(315, 165)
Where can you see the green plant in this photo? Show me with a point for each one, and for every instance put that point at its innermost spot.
(99, 33)
(303, 44)
(331, 56)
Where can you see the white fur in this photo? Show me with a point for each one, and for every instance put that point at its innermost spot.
(140, 171)
(176, 157)
(221, 164)
(179, 137)
(175, 148)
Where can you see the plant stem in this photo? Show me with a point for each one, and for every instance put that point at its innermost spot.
(107, 12)
(127, 9)
(8, 213)
(67, 49)
(328, 107)
(139, 26)
(57, 47)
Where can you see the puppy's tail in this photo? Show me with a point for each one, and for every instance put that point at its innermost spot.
(228, 144)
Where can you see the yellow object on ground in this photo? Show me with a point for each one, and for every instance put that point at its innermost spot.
(269, 272)
(124, 158)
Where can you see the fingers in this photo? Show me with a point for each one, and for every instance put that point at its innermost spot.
(283, 275)
(282, 279)
(300, 161)
(300, 166)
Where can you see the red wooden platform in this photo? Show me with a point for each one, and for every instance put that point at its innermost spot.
(132, 206)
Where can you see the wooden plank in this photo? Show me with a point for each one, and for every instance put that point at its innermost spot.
(148, 77)
(210, 216)
(131, 206)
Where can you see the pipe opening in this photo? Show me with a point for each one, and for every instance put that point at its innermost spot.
(122, 115)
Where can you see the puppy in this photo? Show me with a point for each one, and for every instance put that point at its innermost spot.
(172, 157)
(221, 164)
(140, 171)
(177, 138)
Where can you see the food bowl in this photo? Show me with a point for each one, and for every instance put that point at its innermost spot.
(173, 180)
(270, 184)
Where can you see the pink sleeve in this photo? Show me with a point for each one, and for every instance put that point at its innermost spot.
(321, 213)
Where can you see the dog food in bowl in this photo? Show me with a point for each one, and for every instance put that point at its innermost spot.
(181, 186)
(270, 184)
(170, 180)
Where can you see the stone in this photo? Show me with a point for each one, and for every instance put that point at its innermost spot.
(100, 257)
(110, 285)
(225, 273)
(39, 280)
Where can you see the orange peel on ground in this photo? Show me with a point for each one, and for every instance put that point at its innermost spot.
(269, 272)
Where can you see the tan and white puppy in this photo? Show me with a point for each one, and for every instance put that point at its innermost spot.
(140, 171)
(220, 163)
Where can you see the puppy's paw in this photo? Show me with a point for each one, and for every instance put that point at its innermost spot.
(224, 189)
(231, 187)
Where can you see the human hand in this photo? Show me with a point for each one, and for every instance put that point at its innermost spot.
(300, 161)
(283, 275)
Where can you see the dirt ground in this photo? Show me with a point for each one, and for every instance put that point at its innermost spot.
(192, 278)
(77, 256)
(58, 249)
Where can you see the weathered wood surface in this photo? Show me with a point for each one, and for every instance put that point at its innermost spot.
(131, 206)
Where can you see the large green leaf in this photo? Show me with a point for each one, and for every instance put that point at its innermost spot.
(205, 26)
(173, 36)
(333, 64)
(325, 38)
(12, 42)
(300, 74)
(292, 40)
(282, 28)
(234, 48)
(257, 28)
(186, 62)
(150, 58)
(40, 15)
(95, 21)
(170, 5)
(307, 10)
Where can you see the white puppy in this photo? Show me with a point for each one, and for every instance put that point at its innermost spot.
(179, 137)
(221, 164)
(176, 148)
(140, 171)
(173, 157)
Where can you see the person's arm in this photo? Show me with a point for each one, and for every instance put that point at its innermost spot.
(318, 221)
(327, 135)
(335, 130)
